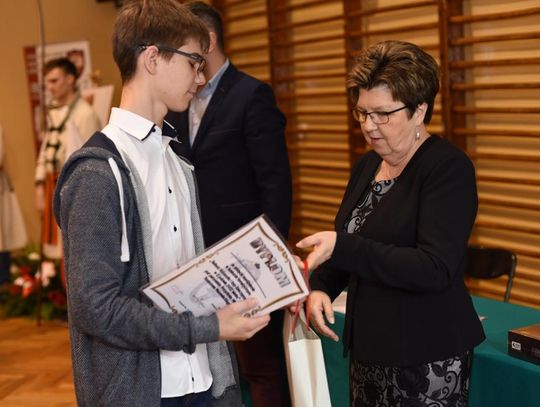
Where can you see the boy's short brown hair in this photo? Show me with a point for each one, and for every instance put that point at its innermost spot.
(160, 22)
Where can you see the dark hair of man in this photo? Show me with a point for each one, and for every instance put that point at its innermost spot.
(64, 64)
(211, 18)
(153, 22)
(410, 74)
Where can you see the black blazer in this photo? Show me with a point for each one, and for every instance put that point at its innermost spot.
(407, 302)
(240, 156)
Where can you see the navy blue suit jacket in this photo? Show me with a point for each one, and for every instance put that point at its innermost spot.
(240, 156)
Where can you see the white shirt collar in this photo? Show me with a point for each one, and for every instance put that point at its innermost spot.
(133, 124)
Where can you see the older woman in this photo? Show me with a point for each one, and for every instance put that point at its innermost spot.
(400, 242)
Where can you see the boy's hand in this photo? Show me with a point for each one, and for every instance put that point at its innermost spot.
(234, 326)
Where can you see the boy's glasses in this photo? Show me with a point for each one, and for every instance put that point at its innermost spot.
(200, 62)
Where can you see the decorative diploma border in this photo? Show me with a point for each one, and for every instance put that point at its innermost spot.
(262, 224)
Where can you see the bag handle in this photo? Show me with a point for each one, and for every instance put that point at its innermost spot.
(298, 305)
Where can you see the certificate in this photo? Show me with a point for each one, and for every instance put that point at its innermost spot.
(254, 261)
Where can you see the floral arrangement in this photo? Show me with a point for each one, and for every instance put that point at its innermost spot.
(21, 295)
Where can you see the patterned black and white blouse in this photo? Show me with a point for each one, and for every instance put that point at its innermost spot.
(365, 206)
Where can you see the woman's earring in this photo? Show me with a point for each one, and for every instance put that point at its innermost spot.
(417, 134)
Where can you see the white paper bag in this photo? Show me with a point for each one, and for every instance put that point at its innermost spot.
(305, 364)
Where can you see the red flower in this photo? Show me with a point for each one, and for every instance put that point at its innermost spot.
(25, 270)
(27, 290)
(28, 279)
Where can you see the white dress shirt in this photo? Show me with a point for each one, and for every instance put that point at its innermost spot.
(199, 103)
(169, 203)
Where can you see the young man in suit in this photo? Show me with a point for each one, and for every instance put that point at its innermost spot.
(233, 133)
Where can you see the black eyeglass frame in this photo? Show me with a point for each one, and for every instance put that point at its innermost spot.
(198, 58)
(358, 114)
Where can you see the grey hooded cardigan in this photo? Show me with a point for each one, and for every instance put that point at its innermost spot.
(115, 333)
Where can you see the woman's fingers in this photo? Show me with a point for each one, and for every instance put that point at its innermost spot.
(323, 244)
(319, 306)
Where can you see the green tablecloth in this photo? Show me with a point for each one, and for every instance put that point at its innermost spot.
(498, 380)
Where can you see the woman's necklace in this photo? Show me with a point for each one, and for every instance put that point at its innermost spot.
(388, 172)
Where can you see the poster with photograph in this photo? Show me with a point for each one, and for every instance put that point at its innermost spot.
(77, 51)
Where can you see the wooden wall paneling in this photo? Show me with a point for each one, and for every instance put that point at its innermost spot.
(308, 72)
(246, 35)
(450, 53)
(495, 115)
(282, 74)
(354, 13)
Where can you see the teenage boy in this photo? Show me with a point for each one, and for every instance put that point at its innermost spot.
(128, 211)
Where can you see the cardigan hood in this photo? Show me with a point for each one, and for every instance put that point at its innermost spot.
(116, 164)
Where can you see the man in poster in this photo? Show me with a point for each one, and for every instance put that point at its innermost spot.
(70, 122)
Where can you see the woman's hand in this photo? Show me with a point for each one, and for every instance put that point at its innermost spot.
(299, 262)
(319, 304)
(323, 244)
